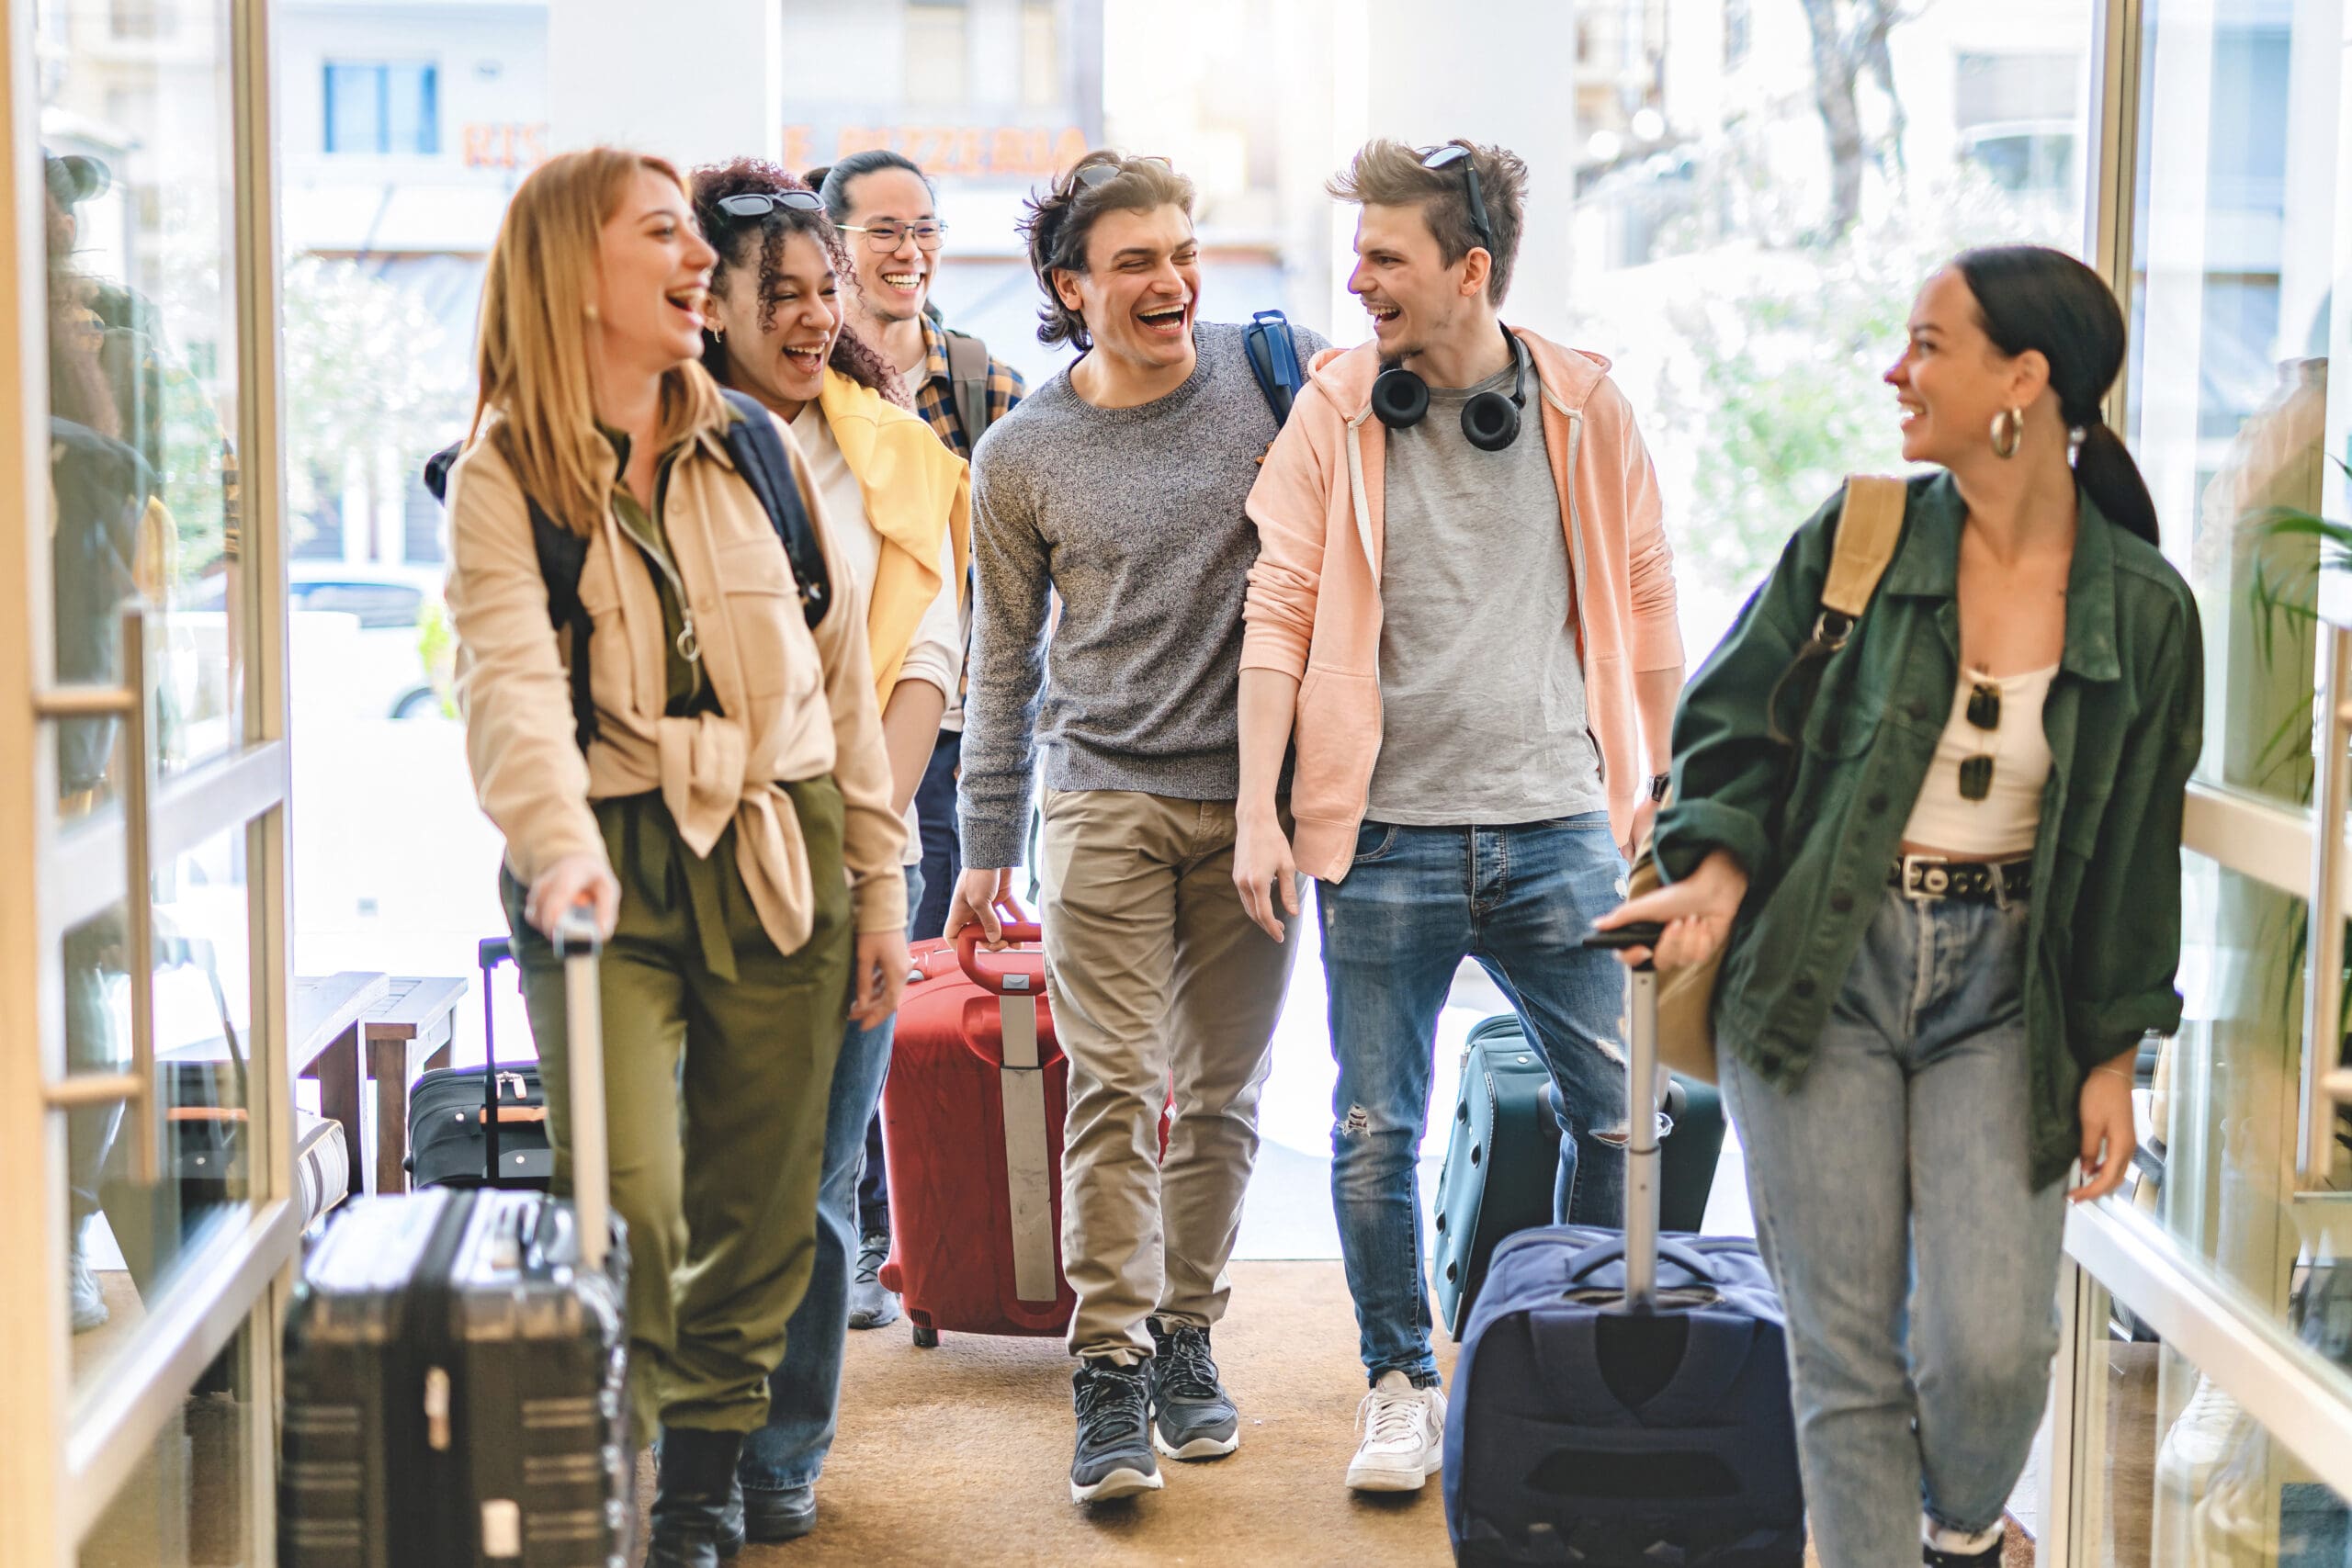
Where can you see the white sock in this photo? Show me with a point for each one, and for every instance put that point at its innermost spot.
(1958, 1542)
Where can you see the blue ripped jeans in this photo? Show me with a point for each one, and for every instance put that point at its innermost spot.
(1918, 1267)
(804, 1391)
(1417, 901)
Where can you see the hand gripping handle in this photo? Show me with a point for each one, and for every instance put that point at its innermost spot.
(1026, 980)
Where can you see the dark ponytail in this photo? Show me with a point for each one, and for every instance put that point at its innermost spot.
(2029, 296)
(833, 180)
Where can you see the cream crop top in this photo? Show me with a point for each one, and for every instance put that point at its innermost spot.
(2002, 825)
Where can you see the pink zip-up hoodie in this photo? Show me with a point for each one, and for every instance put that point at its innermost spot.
(1314, 609)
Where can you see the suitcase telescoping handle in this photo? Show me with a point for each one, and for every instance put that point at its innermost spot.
(1022, 981)
(1642, 1158)
(579, 944)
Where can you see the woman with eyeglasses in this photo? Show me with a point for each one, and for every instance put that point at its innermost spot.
(719, 796)
(895, 509)
(1947, 906)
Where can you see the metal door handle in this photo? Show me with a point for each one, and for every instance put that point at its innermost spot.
(135, 1089)
(2324, 986)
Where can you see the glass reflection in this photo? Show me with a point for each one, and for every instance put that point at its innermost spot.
(2182, 1477)
(189, 1504)
(127, 1241)
(142, 346)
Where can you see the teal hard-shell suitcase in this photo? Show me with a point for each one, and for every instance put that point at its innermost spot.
(1502, 1158)
(1501, 1161)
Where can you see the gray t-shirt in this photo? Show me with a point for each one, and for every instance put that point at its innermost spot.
(1482, 697)
(1135, 518)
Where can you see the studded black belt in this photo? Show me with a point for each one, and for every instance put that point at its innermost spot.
(2002, 881)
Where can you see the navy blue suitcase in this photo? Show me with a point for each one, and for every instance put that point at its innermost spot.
(1621, 1401)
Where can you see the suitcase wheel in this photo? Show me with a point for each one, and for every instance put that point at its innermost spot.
(926, 1338)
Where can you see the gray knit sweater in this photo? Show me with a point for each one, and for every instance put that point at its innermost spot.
(1134, 518)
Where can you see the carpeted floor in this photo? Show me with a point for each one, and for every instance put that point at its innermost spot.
(961, 1455)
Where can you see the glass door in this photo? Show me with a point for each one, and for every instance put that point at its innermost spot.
(145, 1102)
(2208, 1409)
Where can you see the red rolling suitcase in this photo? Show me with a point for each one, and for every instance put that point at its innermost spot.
(972, 1128)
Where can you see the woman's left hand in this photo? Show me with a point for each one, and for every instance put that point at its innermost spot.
(880, 977)
(2109, 1136)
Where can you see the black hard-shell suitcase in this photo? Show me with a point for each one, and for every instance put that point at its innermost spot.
(454, 1363)
(480, 1127)
(1622, 1400)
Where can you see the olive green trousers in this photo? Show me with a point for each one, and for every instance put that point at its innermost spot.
(719, 1060)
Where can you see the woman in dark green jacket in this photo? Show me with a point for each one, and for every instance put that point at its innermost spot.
(1948, 905)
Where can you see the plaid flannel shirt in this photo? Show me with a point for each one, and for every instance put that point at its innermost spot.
(935, 398)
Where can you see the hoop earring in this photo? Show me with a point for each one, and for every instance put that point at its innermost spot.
(2008, 432)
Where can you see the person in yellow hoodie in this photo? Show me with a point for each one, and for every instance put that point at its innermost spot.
(895, 505)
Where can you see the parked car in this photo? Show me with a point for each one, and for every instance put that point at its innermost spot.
(395, 665)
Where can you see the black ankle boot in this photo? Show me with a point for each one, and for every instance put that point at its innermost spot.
(691, 1523)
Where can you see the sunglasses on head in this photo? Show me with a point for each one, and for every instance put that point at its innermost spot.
(759, 203)
(1446, 157)
(1094, 176)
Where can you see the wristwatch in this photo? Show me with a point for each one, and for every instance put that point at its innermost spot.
(1658, 783)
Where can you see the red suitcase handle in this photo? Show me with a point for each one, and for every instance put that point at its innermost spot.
(968, 954)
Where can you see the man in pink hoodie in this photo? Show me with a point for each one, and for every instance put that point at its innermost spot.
(1463, 617)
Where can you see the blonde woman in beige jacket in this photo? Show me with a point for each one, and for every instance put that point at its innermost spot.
(730, 821)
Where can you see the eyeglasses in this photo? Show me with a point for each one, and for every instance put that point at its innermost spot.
(759, 203)
(1984, 713)
(884, 238)
(1445, 158)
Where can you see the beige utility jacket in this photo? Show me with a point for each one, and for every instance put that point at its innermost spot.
(793, 704)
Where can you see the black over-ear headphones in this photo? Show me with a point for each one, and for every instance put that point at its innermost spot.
(1401, 400)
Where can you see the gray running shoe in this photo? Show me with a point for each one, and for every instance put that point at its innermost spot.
(1114, 1457)
(86, 1305)
(871, 1306)
(1191, 1416)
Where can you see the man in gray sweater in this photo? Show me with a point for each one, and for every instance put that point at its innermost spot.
(1118, 487)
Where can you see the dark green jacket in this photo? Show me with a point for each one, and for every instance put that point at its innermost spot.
(2124, 720)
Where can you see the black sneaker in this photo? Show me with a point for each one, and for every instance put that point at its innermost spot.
(1988, 1558)
(1192, 1417)
(1114, 1455)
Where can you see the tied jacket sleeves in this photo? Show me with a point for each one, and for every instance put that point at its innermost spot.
(793, 703)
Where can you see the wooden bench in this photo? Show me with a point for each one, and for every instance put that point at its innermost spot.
(407, 1031)
(325, 1046)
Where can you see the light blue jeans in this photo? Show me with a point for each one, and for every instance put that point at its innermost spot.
(1417, 901)
(804, 1391)
(1917, 1265)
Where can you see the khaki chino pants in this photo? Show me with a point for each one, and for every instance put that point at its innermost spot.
(1156, 977)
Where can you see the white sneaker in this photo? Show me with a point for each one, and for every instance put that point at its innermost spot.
(1403, 1436)
(2200, 1438)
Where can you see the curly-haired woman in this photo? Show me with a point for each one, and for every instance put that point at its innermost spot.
(895, 506)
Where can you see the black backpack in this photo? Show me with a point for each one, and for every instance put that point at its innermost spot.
(760, 456)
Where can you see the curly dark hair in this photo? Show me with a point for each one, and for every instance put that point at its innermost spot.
(1057, 224)
(732, 237)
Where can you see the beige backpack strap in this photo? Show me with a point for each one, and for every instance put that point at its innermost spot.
(1868, 530)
